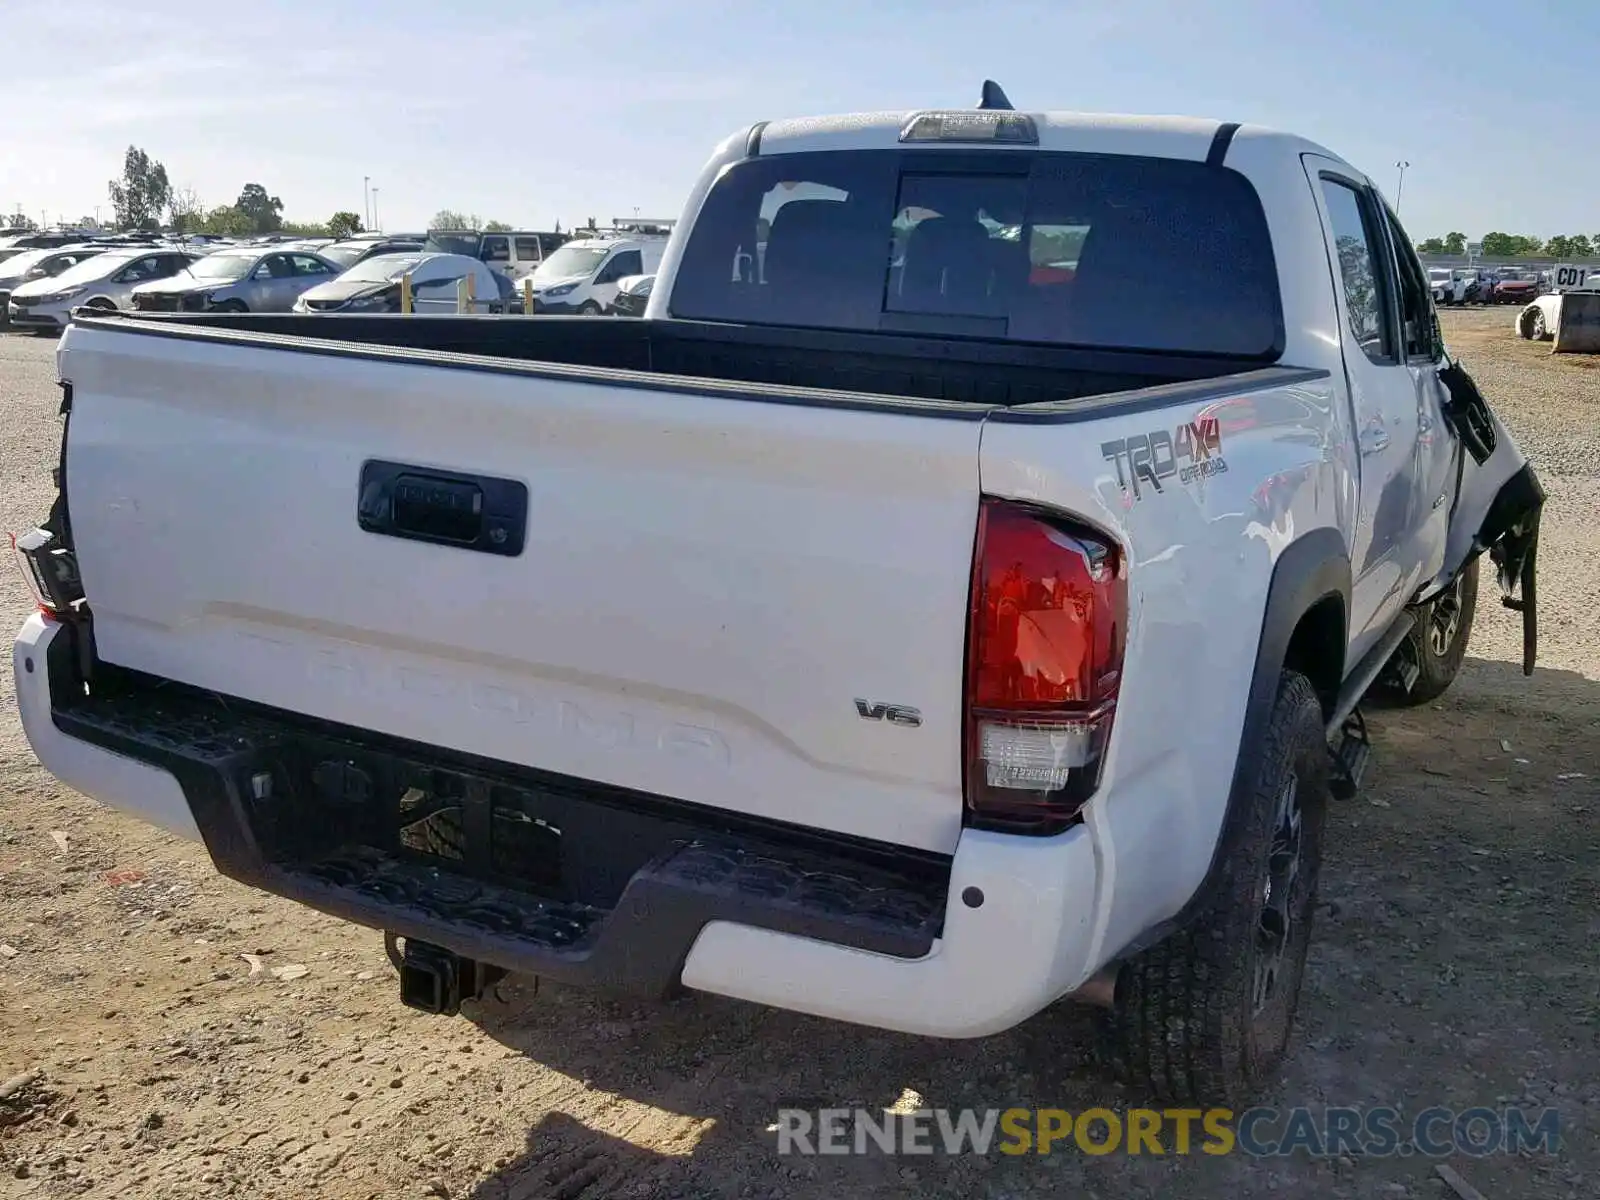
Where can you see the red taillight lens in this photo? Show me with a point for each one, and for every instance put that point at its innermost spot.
(1049, 612)
(50, 571)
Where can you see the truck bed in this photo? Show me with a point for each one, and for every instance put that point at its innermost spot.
(898, 368)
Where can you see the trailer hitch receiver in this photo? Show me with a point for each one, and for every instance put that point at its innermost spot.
(435, 980)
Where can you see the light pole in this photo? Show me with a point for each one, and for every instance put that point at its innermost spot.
(376, 222)
(1400, 187)
(366, 201)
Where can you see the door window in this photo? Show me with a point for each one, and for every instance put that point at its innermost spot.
(495, 249)
(528, 249)
(1416, 297)
(304, 264)
(623, 264)
(277, 266)
(135, 272)
(1359, 249)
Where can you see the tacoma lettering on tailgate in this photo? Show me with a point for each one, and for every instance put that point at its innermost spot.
(593, 721)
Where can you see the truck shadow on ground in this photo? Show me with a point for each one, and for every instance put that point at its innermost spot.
(1446, 921)
(701, 1081)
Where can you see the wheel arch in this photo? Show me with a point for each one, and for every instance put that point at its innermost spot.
(1316, 647)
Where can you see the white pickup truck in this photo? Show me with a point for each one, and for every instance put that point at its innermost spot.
(953, 596)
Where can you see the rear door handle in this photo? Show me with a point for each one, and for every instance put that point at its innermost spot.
(422, 504)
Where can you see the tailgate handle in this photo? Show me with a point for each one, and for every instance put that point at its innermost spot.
(428, 506)
(470, 512)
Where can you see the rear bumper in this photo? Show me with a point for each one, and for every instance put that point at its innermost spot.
(957, 948)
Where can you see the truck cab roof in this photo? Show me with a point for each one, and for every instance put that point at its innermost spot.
(1191, 138)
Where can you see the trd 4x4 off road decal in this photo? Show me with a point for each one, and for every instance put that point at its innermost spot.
(1191, 451)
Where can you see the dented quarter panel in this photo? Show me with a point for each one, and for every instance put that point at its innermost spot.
(1201, 552)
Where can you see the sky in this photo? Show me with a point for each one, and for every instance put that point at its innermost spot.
(532, 113)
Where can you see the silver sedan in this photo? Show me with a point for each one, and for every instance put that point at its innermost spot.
(265, 279)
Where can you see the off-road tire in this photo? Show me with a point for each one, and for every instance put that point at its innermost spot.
(1438, 642)
(1188, 1024)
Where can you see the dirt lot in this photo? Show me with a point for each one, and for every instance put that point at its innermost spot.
(1456, 964)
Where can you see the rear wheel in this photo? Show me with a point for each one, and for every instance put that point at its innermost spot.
(589, 309)
(1537, 326)
(1438, 642)
(101, 303)
(1205, 1016)
(232, 306)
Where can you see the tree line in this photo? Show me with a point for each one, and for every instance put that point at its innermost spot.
(143, 195)
(449, 218)
(1516, 245)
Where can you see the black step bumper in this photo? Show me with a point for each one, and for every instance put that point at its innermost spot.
(533, 873)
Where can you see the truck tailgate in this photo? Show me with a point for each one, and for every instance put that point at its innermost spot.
(707, 585)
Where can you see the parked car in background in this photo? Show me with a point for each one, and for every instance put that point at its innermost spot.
(105, 281)
(633, 294)
(1540, 319)
(1461, 287)
(583, 275)
(38, 264)
(1440, 282)
(1516, 287)
(373, 286)
(347, 254)
(264, 279)
(40, 241)
(513, 253)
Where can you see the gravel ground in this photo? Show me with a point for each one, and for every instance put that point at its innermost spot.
(1455, 964)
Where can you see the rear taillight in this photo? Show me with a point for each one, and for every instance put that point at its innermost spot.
(50, 571)
(1049, 613)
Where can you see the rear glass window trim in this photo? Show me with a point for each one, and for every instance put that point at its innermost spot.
(1011, 163)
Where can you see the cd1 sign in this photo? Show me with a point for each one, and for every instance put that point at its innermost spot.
(1568, 277)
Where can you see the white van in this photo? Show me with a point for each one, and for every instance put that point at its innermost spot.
(582, 276)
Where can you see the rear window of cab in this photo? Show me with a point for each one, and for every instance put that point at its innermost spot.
(1109, 251)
